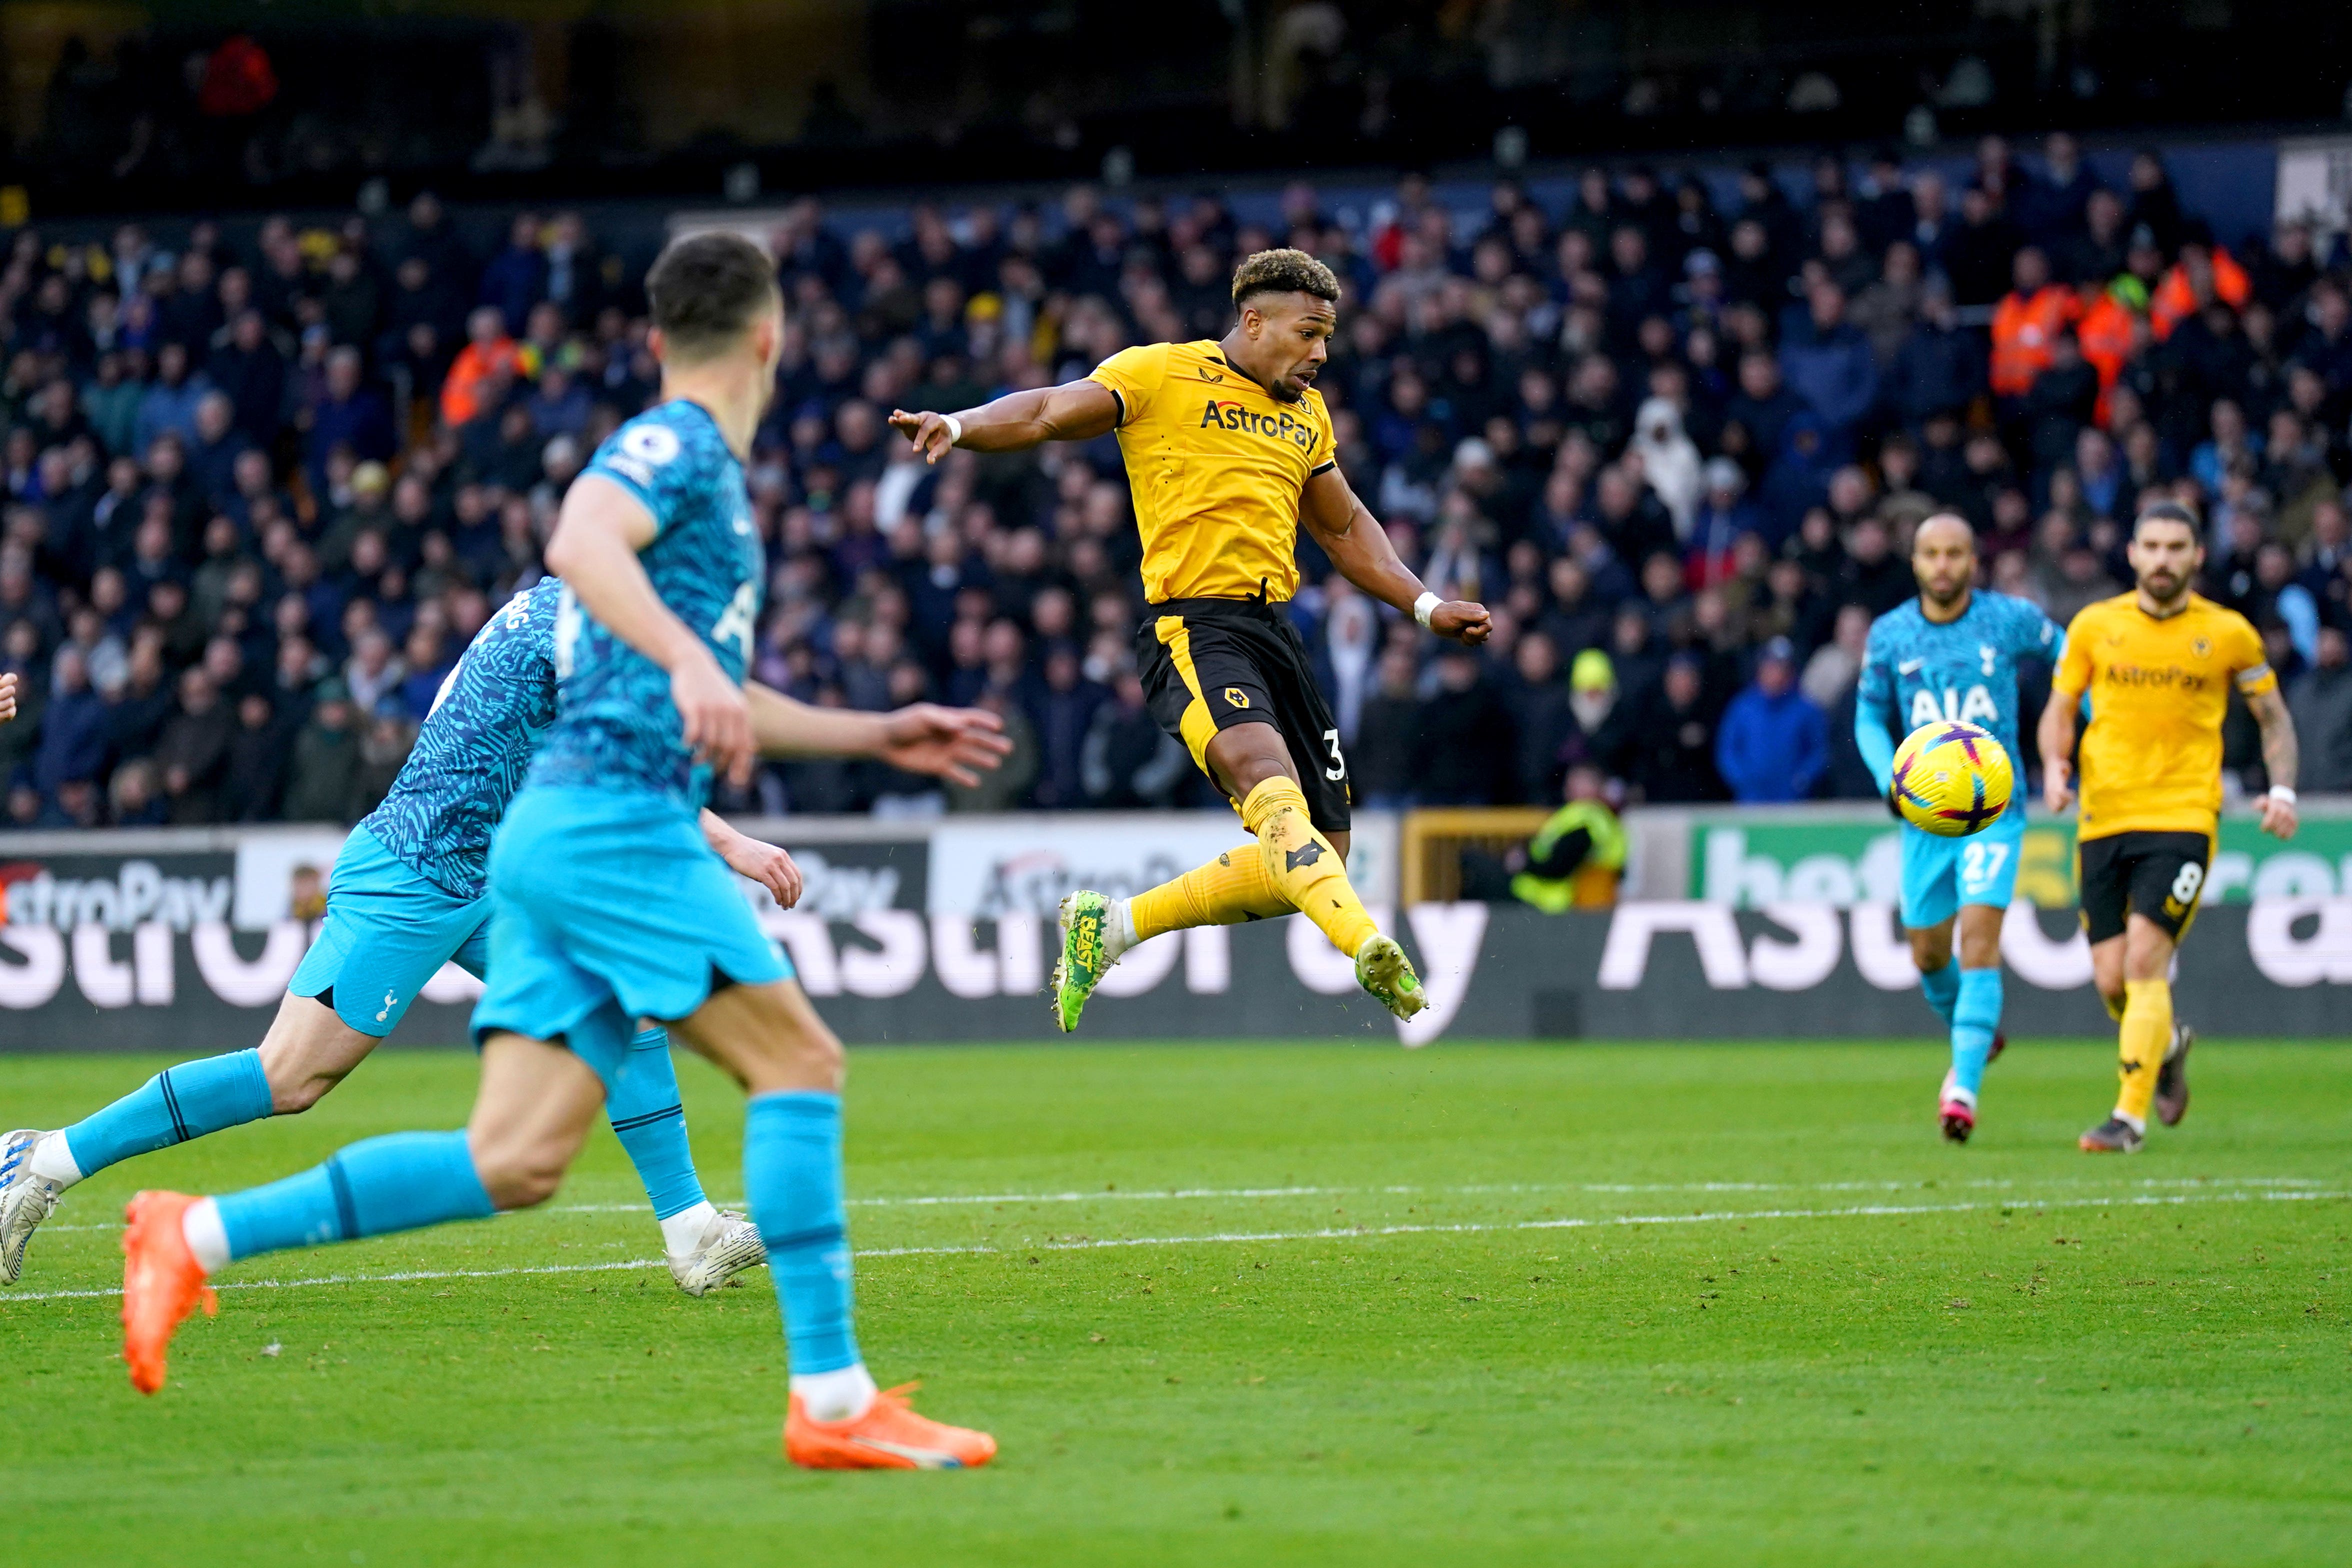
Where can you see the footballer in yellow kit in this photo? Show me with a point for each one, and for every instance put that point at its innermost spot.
(2158, 665)
(1229, 452)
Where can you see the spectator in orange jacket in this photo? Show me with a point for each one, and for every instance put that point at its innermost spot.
(488, 352)
(2204, 273)
(2106, 333)
(2026, 321)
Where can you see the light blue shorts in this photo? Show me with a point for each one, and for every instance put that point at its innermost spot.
(608, 907)
(1940, 875)
(387, 931)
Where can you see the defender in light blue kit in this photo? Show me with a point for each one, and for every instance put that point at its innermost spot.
(1953, 653)
(602, 883)
(405, 896)
(608, 905)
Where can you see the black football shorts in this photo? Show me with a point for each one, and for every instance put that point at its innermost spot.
(2159, 875)
(1209, 664)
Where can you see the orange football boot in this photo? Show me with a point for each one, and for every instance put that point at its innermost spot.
(888, 1436)
(161, 1284)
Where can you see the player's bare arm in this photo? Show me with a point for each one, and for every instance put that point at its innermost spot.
(748, 857)
(1358, 546)
(7, 698)
(594, 550)
(2055, 736)
(1078, 411)
(2281, 757)
(954, 743)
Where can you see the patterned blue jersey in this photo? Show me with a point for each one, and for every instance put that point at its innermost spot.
(1915, 672)
(615, 727)
(473, 749)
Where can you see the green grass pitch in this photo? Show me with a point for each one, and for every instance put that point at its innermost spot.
(1480, 1304)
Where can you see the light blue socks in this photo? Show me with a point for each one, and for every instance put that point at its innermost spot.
(792, 1175)
(651, 1124)
(1975, 1017)
(1943, 987)
(400, 1182)
(175, 1105)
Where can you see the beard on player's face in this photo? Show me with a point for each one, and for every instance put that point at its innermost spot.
(1280, 328)
(1290, 383)
(1944, 590)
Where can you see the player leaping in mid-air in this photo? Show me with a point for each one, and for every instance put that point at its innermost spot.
(609, 906)
(1229, 450)
(2158, 664)
(1952, 653)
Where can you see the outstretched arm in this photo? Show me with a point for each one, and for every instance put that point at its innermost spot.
(2281, 757)
(1078, 411)
(953, 743)
(594, 550)
(1358, 546)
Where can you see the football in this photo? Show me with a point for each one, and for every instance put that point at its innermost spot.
(1952, 779)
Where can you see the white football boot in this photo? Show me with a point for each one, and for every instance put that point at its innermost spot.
(731, 1244)
(26, 1199)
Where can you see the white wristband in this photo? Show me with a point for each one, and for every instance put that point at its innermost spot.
(1423, 605)
(955, 428)
(2283, 795)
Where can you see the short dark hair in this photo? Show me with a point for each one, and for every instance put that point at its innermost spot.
(1284, 271)
(705, 289)
(2165, 511)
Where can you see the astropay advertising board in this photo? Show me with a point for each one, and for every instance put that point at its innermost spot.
(184, 940)
(1667, 970)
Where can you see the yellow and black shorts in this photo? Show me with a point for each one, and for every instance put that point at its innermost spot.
(2159, 875)
(1209, 664)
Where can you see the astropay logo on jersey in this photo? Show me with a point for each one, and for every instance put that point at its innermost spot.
(1279, 425)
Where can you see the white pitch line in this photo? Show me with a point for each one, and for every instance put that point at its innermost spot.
(402, 1276)
(944, 1200)
(1858, 1211)
(1988, 1184)
(1347, 1232)
(1606, 1187)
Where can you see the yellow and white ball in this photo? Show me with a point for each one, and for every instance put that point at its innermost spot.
(1952, 779)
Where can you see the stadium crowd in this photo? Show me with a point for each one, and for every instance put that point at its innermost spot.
(258, 499)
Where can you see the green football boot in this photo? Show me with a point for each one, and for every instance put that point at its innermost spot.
(1383, 970)
(1084, 915)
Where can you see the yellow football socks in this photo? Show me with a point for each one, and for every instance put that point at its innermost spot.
(2145, 1035)
(1229, 890)
(2115, 1008)
(1302, 865)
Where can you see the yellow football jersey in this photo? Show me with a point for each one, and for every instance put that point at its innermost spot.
(1216, 464)
(2151, 759)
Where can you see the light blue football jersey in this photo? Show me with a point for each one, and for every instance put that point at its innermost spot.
(1915, 672)
(474, 748)
(615, 727)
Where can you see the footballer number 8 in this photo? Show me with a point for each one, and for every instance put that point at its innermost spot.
(2185, 886)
